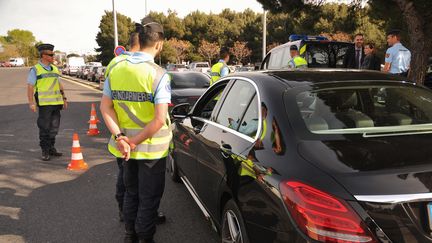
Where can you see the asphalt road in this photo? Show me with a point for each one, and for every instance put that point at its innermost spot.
(43, 202)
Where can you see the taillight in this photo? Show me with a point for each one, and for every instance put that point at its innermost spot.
(170, 105)
(322, 216)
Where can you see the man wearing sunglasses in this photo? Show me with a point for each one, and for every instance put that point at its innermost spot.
(46, 95)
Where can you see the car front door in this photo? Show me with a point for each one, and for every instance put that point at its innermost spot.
(219, 141)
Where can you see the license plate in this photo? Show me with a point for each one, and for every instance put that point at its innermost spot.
(429, 210)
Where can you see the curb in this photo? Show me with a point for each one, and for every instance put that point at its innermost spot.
(98, 86)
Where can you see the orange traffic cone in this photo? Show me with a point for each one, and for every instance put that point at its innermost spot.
(77, 161)
(93, 130)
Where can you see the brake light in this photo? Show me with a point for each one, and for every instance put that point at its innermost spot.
(322, 216)
(170, 105)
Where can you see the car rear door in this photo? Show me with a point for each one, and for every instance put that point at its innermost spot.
(219, 141)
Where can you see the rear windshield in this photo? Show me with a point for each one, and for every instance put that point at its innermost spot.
(326, 55)
(369, 110)
(189, 80)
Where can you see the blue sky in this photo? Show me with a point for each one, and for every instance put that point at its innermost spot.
(72, 25)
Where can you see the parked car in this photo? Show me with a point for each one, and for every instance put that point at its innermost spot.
(428, 77)
(309, 156)
(203, 67)
(318, 51)
(99, 75)
(187, 87)
(176, 67)
(5, 64)
(91, 76)
(16, 62)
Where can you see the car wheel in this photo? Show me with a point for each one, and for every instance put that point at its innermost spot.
(233, 227)
(172, 168)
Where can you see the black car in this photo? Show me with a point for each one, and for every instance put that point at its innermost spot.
(309, 156)
(187, 87)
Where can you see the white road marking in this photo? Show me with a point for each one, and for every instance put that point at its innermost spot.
(6, 135)
(11, 151)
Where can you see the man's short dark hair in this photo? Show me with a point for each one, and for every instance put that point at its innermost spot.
(134, 39)
(149, 32)
(224, 53)
(293, 48)
(394, 32)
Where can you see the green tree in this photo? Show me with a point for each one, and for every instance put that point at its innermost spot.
(21, 43)
(105, 36)
(209, 50)
(168, 54)
(173, 25)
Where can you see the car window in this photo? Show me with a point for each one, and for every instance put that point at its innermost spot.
(326, 54)
(189, 80)
(366, 109)
(204, 108)
(235, 104)
(249, 123)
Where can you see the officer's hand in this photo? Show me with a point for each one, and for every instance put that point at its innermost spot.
(32, 107)
(65, 105)
(124, 148)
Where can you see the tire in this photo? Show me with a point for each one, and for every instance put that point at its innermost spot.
(233, 227)
(172, 168)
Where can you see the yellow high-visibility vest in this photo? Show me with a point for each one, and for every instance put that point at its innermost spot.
(114, 61)
(133, 88)
(47, 87)
(216, 72)
(299, 62)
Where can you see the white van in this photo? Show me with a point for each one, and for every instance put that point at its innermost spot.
(16, 62)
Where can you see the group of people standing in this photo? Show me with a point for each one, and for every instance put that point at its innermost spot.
(363, 55)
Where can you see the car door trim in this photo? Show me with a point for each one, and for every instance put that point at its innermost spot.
(237, 133)
(395, 198)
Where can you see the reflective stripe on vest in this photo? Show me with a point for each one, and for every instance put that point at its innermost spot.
(47, 86)
(216, 72)
(133, 87)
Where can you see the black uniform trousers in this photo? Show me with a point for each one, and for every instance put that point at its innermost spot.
(48, 122)
(145, 182)
(120, 187)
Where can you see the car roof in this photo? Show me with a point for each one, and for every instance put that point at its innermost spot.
(301, 77)
(298, 42)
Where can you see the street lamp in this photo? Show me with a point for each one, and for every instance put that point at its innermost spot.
(115, 25)
(264, 47)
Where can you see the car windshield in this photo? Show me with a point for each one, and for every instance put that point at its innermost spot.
(326, 54)
(189, 80)
(370, 110)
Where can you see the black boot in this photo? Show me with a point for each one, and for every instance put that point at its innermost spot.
(54, 152)
(45, 155)
(130, 234)
(147, 241)
(121, 218)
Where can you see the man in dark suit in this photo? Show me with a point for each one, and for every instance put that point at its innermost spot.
(355, 56)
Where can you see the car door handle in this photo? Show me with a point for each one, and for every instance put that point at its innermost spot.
(197, 130)
(226, 150)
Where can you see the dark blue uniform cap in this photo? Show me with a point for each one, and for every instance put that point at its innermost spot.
(293, 48)
(45, 47)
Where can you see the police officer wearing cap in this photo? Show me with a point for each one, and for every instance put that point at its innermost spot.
(46, 95)
(220, 69)
(397, 57)
(296, 60)
(134, 106)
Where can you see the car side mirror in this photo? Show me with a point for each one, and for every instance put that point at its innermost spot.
(180, 111)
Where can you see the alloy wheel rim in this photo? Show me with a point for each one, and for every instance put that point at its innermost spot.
(231, 232)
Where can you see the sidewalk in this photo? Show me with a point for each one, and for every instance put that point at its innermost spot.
(98, 86)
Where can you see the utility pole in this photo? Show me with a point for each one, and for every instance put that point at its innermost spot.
(145, 8)
(264, 47)
(115, 25)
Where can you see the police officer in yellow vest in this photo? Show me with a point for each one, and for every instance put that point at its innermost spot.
(45, 93)
(135, 109)
(296, 60)
(220, 69)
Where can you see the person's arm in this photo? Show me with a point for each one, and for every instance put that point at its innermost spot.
(31, 82)
(388, 61)
(30, 97)
(224, 71)
(65, 104)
